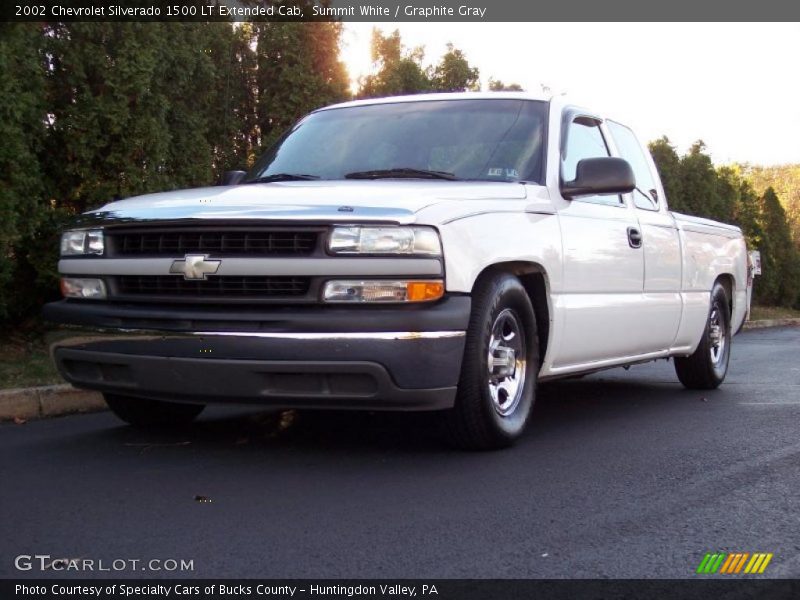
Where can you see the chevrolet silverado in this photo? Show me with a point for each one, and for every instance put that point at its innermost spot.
(438, 252)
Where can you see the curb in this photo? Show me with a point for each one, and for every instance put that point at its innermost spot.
(47, 401)
(55, 400)
(763, 323)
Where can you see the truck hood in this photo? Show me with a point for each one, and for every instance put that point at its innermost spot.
(395, 201)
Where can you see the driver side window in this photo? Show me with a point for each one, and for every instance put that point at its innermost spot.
(585, 140)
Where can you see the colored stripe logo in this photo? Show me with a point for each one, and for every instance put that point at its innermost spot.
(733, 563)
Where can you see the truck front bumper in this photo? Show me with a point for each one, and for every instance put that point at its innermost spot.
(410, 365)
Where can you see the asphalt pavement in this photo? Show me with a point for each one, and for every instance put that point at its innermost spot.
(622, 474)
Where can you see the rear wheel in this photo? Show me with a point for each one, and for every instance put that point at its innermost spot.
(142, 412)
(501, 362)
(707, 367)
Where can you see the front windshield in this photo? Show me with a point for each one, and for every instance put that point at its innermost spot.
(487, 140)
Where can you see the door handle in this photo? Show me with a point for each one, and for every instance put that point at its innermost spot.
(634, 237)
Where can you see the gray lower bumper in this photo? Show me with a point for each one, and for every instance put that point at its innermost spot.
(372, 370)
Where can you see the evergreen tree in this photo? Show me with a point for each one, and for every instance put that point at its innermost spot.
(232, 117)
(453, 73)
(110, 134)
(94, 111)
(298, 70)
(398, 70)
(700, 186)
(780, 261)
(694, 187)
(747, 204)
(785, 180)
(187, 76)
(495, 85)
(668, 164)
(22, 115)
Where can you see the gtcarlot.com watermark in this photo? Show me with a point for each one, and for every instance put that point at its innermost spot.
(46, 562)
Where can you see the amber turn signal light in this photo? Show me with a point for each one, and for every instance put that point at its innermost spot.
(424, 291)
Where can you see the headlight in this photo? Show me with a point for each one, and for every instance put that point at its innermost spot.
(83, 287)
(385, 240)
(382, 291)
(77, 243)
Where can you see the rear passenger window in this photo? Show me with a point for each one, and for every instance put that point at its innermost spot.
(645, 195)
(585, 140)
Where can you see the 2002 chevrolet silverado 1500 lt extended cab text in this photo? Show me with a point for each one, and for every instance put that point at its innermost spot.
(435, 252)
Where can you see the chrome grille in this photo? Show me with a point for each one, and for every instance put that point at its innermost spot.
(216, 243)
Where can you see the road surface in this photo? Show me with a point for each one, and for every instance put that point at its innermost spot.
(622, 474)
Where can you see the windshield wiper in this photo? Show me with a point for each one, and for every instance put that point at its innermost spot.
(283, 177)
(401, 172)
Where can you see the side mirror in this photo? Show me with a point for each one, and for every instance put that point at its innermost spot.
(602, 175)
(232, 177)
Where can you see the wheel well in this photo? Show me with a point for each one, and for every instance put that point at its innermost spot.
(726, 279)
(534, 279)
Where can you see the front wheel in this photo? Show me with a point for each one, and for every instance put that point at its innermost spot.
(497, 386)
(707, 367)
(142, 412)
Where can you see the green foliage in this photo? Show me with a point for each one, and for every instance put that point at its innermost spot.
(495, 85)
(232, 117)
(746, 203)
(162, 106)
(399, 70)
(298, 70)
(785, 180)
(453, 73)
(669, 168)
(701, 192)
(780, 259)
(90, 112)
(22, 193)
(738, 194)
(691, 183)
(109, 135)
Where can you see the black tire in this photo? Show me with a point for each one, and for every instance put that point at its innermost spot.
(142, 412)
(477, 421)
(707, 367)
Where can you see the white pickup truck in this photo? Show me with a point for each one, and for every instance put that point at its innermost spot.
(435, 252)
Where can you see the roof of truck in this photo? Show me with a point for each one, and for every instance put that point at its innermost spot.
(445, 96)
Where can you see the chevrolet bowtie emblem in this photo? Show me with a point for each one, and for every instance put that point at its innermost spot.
(195, 266)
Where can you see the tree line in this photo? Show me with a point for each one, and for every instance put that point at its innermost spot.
(91, 112)
(763, 201)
